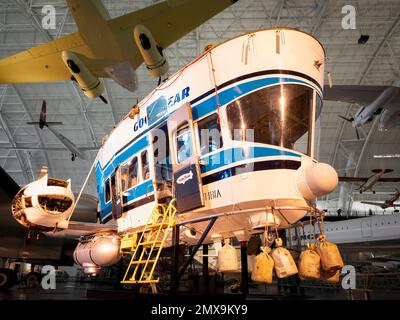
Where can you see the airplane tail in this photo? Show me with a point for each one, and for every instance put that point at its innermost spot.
(42, 119)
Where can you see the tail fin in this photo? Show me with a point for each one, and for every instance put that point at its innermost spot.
(42, 119)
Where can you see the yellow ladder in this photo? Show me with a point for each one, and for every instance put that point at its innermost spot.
(146, 252)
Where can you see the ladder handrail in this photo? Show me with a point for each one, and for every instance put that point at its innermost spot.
(171, 221)
(150, 236)
(153, 244)
(140, 240)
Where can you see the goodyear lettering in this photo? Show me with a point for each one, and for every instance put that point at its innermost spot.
(139, 124)
(178, 97)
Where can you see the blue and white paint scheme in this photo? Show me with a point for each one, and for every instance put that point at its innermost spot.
(233, 135)
(269, 81)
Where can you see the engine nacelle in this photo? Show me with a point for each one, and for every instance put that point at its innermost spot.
(152, 54)
(90, 85)
(43, 203)
(98, 251)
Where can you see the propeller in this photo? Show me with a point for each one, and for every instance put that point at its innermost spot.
(351, 121)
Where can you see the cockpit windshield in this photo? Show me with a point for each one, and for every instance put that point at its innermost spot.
(279, 115)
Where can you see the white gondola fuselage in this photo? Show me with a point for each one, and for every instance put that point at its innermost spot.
(262, 93)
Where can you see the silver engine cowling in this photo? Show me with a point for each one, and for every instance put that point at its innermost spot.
(97, 251)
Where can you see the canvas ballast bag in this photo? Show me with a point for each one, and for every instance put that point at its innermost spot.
(284, 263)
(309, 264)
(331, 260)
(227, 258)
(330, 276)
(263, 266)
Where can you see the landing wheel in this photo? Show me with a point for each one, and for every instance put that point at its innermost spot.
(33, 279)
(8, 278)
(373, 192)
(73, 157)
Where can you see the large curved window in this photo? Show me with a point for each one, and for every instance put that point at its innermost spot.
(278, 115)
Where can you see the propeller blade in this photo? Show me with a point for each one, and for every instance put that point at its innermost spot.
(103, 99)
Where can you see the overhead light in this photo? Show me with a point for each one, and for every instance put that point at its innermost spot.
(380, 156)
(363, 39)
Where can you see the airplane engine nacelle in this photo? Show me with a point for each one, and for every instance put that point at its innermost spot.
(99, 251)
(152, 54)
(44, 203)
(90, 85)
(315, 180)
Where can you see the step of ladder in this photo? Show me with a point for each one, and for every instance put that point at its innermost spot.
(140, 281)
(143, 261)
(149, 243)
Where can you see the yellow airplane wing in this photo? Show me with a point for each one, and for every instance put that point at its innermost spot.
(42, 63)
(103, 43)
(168, 22)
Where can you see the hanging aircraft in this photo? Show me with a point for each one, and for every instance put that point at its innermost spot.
(69, 145)
(382, 101)
(227, 142)
(388, 202)
(369, 182)
(105, 47)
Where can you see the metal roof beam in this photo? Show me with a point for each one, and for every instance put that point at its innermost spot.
(83, 109)
(26, 167)
(27, 10)
(317, 19)
(110, 103)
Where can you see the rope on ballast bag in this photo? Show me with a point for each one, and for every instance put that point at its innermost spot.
(309, 263)
(263, 262)
(331, 260)
(263, 266)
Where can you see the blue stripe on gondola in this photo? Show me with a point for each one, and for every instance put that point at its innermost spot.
(201, 109)
(139, 191)
(231, 156)
(236, 92)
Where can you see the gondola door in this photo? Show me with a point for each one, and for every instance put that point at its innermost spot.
(187, 186)
(116, 198)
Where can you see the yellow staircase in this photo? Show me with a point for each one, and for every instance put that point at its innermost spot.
(146, 251)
